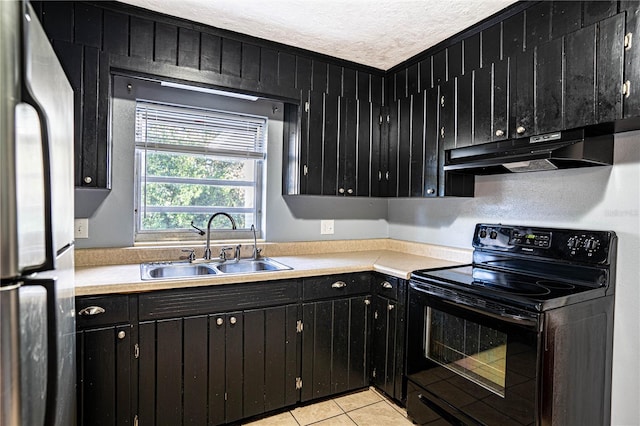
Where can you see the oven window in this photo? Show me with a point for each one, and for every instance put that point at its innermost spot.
(474, 351)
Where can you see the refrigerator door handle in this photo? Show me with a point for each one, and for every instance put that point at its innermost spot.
(52, 347)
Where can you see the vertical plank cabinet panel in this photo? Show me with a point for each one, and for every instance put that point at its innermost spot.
(188, 48)
(390, 176)
(269, 68)
(334, 80)
(231, 57)
(286, 70)
(549, 106)
(293, 354)
(425, 74)
(464, 110)
(413, 80)
(195, 370)
(439, 67)
(522, 94)
(400, 85)
(358, 344)
(315, 143)
(580, 83)
(454, 60)
(234, 376)
(169, 371)
(378, 150)
(330, 146)
(404, 147)
(57, 20)
(491, 43)
(253, 358)
(377, 86)
(316, 353)
(116, 40)
(166, 44)
(250, 68)
(210, 52)
(417, 145)
(347, 144)
(537, 24)
(340, 331)
(500, 95)
(566, 17)
(303, 73)
(379, 348)
(610, 66)
(513, 35)
(141, 40)
(471, 46)
(300, 170)
(147, 373)
(217, 368)
(279, 356)
(447, 103)
(431, 135)
(595, 11)
(94, 171)
(364, 86)
(482, 103)
(308, 350)
(631, 100)
(87, 29)
(366, 121)
(319, 76)
(349, 83)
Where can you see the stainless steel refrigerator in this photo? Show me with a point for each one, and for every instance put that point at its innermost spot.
(37, 324)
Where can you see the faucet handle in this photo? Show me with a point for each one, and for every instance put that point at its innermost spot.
(223, 252)
(192, 254)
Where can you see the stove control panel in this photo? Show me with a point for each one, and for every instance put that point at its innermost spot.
(569, 245)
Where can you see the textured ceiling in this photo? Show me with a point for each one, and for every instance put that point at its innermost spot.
(379, 33)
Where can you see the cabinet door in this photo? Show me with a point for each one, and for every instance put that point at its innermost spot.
(378, 149)
(405, 119)
(390, 176)
(365, 154)
(610, 66)
(464, 110)
(383, 345)
(330, 145)
(431, 134)
(482, 102)
(417, 145)
(334, 346)
(104, 360)
(580, 86)
(631, 106)
(347, 142)
(549, 107)
(314, 144)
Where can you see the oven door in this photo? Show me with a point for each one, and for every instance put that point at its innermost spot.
(469, 363)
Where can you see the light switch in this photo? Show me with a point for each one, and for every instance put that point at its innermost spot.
(326, 226)
(81, 228)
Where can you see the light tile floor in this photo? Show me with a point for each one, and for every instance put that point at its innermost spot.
(367, 407)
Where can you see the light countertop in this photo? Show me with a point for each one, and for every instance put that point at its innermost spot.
(125, 278)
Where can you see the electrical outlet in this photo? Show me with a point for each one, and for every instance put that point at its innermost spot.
(326, 226)
(81, 228)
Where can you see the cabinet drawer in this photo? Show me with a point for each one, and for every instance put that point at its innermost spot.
(336, 286)
(94, 311)
(386, 286)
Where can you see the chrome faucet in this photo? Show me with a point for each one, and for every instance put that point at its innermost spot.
(207, 250)
(256, 250)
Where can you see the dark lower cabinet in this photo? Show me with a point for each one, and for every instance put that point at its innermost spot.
(388, 335)
(217, 368)
(104, 362)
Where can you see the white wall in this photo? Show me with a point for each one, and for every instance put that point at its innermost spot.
(605, 198)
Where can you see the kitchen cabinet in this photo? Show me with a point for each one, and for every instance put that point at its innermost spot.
(105, 357)
(215, 356)
(335, 337)
(388, 335)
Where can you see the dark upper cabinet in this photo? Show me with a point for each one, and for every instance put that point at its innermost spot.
(548, 99)
(405, 123)
(464, 110)
(631, 101)
(522, 94)
(431, 140)
(348, 147)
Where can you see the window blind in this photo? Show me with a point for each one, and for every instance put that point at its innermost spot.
(180, 129)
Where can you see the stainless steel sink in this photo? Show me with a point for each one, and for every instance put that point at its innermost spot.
(157, 271)
(172, 270)
(248, 266)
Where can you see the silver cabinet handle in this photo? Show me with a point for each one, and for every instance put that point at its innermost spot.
(91, 310)
(121, 335)
(442, 132)
(232, 320)
(87, 179)
(386, 284)
(219, 321)
(499, 132)
(442, 101)
(339, 284)
(349, 191)
(341, 190)
(431, 191)
(520, 130)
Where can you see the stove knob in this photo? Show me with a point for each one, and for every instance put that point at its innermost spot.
(483, 233)
(591, 244)
(493, 235)
(573, 242)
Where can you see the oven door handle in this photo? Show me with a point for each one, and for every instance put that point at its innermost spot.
(514, 318)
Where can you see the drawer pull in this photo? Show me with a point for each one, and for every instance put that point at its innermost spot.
(219, 321)
(232, 320)
(339, 284)
(91, 310)
(122, 335)
(386, 284)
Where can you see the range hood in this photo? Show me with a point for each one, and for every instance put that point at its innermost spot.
(558, 150)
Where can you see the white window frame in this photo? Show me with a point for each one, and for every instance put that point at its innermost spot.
(258, 154)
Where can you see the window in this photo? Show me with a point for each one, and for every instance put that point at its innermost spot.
(193, 162)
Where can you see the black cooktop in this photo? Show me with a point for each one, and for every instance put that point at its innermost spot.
(533, 268)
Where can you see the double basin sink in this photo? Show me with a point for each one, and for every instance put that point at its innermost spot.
(183, 269)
